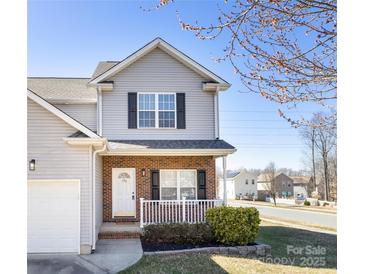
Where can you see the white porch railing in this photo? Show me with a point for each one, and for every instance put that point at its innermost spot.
(175, 211)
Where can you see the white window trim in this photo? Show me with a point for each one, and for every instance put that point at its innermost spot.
(178, 182)
(157, 110)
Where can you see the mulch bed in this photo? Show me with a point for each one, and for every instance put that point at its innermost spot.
(150, 247)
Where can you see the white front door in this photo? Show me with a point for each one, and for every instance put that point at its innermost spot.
(124, 191)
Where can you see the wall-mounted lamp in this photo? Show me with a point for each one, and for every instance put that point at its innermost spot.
(143, 172)
(32, 165)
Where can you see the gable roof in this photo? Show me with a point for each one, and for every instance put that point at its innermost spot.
(102, 67)
(301, 179)
(105, 69)
(59, 113)
(266, 177)
(231, 174)
(62, 90)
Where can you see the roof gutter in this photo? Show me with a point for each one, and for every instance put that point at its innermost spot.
(216, 86)
(170, 152)
(85, 141)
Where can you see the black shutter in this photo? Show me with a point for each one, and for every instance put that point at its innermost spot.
(155, 178)
(132, 110)
(202, 185)
(180, 110)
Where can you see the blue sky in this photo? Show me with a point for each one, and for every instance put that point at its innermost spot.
(68, 38)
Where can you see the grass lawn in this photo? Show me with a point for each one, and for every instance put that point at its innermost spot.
(275, 235)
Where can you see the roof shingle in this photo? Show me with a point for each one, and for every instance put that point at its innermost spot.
(177, 144)
(55, 89)
(103, 66)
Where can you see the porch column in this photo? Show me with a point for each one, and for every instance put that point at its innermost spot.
(224, 180)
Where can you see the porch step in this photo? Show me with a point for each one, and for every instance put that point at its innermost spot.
(120, 230)
(119, 235)
(125, 219)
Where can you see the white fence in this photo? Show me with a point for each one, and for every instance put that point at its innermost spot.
(175, 211)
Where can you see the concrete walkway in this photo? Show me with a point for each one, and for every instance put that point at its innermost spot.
(111, 256)
(115, 255)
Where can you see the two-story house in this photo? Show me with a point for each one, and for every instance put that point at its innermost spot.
(239, 185)
(283, 185)
(135, 142)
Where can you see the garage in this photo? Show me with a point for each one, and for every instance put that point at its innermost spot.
(53, 216)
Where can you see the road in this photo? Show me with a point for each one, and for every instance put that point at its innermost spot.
(295, 215)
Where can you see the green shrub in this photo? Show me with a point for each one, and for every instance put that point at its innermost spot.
(234, 226)
(178, 233)
(307, 203)
(326, 204)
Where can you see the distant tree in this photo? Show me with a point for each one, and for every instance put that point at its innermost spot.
(308, 134)
(322, 142)
(271, 185)
(286, 51)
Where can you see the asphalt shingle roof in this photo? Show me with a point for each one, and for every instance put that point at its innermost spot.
(177, 144)
(55, 89)
(103, 66)
(232, 174)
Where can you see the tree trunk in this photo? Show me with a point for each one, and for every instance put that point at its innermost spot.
(326, 184)
(274, 197)
(314, 162)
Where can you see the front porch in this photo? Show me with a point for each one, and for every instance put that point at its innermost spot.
(143, 190)
(162, 183)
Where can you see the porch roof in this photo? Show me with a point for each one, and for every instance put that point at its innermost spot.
(170, 147)
(176, 144)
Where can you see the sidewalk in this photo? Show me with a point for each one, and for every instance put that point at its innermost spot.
(298, 207)
(299, 226)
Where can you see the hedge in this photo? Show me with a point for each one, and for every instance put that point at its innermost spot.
(234, 226)
(178, 233)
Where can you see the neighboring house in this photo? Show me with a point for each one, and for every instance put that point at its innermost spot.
(284, 186)
(229, 184)
(144, 127)
(240, 184)
(303, 186)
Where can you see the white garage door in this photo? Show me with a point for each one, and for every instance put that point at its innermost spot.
(53, 216)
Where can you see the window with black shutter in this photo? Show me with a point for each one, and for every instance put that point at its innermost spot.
(202, 185)
(180, 111)
(155, 177)
(132, 109)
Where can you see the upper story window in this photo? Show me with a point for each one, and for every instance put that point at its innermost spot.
(246, 181)
(156, 110)
(253, 181)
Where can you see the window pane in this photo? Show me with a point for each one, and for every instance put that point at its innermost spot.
(168, 178)
(188, 192)
(146, 119)
(146, 102)
(166, 119)
(187, 179)
(169, 193)
(166, 101)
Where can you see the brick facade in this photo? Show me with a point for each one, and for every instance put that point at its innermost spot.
(143, 184)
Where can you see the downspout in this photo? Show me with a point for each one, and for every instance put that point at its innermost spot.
(93, 195)
(216, 113)
(100, 111)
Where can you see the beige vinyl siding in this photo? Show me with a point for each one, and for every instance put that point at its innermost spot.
(98, 193)
(158, 72)
(84, 113)
(57, 160)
